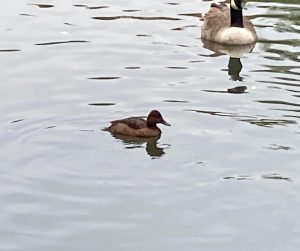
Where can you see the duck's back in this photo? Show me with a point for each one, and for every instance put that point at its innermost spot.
(134, 126)
(132, 122)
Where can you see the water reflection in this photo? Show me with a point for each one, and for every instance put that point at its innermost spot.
(235, 53)
(152, 149)
(235, 66)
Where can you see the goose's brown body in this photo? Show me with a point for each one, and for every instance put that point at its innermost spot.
(217, 27)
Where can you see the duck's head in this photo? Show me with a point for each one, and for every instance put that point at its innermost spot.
(237, 4)
(154, 118)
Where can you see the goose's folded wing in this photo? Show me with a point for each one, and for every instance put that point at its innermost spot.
(216, 19)
(248, 25)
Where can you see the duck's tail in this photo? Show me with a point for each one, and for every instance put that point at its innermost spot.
(106, 129)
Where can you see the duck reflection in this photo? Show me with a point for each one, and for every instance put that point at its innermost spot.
(152, 149)
(235, 53)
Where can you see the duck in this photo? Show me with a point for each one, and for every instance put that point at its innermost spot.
(227, 25)
(138, 126)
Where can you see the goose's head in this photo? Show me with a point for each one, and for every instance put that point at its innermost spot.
(237, 4)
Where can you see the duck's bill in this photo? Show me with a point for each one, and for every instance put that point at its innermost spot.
(165, 123)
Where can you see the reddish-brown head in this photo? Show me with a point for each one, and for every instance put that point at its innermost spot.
(154, 118)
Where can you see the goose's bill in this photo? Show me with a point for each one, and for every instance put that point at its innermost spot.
(165, 123)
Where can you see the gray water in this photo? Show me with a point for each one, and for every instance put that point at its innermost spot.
(224, 176)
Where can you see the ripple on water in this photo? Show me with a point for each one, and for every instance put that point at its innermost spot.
(277, 102)
(143, 35)
(42, 6)
(254, 120)
(16, 121)
(132, 67)
(279, 147)
(233, 90)
(177, 67)
(63, 42)
(67, 185)
(274, 177)
(172, 3)
(103, 78)
(10, 50)
(138, 18)
(131, 10)
(27, 15)
(102, 104)
(175, 101)
(91, 7)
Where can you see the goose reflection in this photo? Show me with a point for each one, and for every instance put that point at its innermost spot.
(235, 53)
(151, 148)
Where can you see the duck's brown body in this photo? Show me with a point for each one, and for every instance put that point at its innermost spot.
(137, 126)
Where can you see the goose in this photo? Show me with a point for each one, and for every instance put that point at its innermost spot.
(227, 25)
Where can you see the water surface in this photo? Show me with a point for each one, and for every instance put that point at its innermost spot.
(224, 176)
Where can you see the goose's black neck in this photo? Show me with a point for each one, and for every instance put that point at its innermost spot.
(236, 18)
